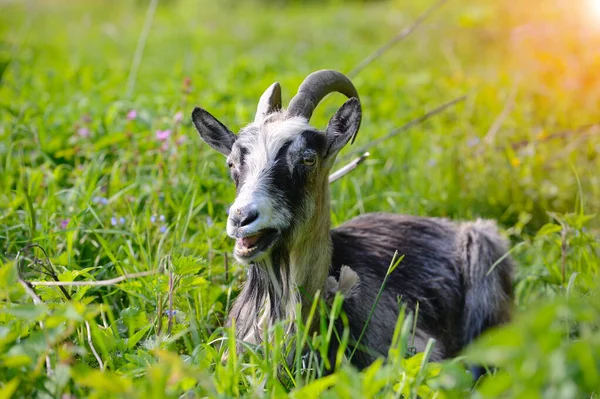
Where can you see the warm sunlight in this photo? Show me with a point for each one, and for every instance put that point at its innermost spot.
(595, 8)
(174, 223)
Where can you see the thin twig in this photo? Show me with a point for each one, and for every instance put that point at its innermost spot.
(52, 272)
(29, 290)
(349, 167)
(404, 33)
(171, 287)
(103, 316)
(409, 125)
(159, 312)
(508, 107)
(568, 148)
(139, 50)
(592, 128)
(91, 344)
(36, 300)
(41, 270)
(97, 283)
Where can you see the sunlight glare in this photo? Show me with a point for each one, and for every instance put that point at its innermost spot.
(595, 8)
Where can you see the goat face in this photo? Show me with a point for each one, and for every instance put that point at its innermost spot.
(280, 166)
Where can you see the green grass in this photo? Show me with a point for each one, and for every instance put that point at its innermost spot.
(103, 197)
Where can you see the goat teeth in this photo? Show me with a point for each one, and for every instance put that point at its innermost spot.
(245, 251)
(250, 241)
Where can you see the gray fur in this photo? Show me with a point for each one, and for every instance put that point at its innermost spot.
(280, 165)
(444, 271)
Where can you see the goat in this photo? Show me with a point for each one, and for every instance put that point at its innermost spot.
(457, 273)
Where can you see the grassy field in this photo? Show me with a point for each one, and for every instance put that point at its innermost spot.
(102, 175)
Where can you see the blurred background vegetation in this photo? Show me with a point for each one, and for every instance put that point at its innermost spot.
(100, 167)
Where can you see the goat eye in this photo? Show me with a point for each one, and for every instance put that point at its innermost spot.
(309, 159)
(230, 164)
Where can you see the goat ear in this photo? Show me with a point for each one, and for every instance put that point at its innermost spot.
(213, 132)
(343, 126)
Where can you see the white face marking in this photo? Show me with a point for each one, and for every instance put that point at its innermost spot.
(271, 137)
(263, 148)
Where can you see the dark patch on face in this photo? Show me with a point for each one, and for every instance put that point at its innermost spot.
(236, 163)
(316, 141)
(243, 151)
(289, 175)
(285, 184)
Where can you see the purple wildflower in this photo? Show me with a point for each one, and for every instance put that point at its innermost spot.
(473, 142)
(153, 218)
(113, 221)
(83, 132)
(178, 117)
(162, 218)
(122, 220)
(163, 135)
(131, 115)
(180, 140)
(163, 229)
(209, 221)
(64, 223)
(100, 200)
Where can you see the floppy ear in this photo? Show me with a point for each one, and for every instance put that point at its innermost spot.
(213, 132)
(343, 126)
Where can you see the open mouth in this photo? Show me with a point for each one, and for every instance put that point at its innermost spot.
(250, 246)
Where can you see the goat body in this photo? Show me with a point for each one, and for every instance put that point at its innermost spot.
(457, 273)
(445, 269)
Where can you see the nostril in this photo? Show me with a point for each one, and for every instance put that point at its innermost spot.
(234, 219)
(248, 217)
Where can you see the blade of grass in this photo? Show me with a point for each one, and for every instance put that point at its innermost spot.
(393, 265)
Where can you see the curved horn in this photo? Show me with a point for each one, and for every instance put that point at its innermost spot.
(316, 86)
(269, 102)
